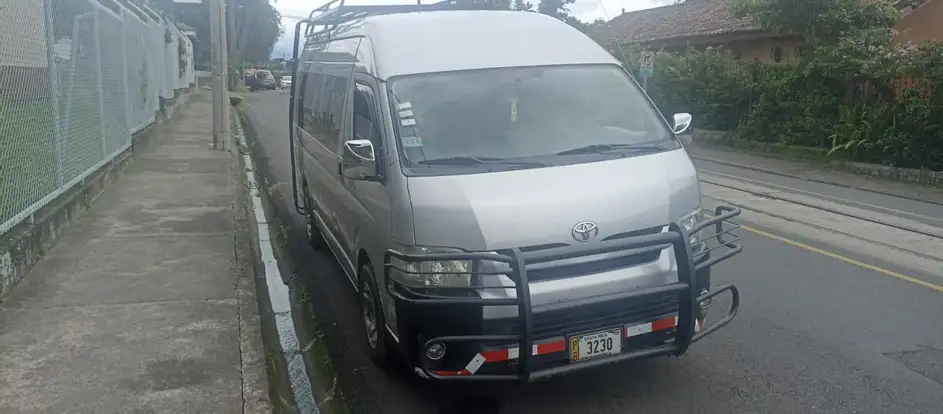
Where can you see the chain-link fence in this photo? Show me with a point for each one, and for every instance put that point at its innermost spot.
(77, 79)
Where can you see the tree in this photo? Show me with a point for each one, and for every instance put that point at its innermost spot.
(818, 20)
(522, 5)
(556, 8)
(254, 27)
(845, 38)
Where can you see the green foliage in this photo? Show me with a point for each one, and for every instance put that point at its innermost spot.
(253, 28)
(522, 5)
(708, 84)
(555, 8)
(882, 108)
(854, 93)
(817, 20)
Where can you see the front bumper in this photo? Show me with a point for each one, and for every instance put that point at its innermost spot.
(648, 322)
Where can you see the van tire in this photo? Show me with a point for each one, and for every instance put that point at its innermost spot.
(369, 299)
(315, 238)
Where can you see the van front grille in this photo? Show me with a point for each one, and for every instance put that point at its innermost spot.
(543, 272)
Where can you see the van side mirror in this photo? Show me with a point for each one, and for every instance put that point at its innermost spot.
(682, 121)
(359, 161)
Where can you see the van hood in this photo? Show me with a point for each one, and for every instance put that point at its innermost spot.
(540, 206)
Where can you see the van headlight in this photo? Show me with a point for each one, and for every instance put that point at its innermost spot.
(687, 222)
(456, 273)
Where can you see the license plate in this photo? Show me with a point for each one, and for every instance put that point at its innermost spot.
(595, 345)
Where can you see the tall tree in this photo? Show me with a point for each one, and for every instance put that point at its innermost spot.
(252, 30)
(522, 5)
(555, 8)
(255, 29)
(819, 20)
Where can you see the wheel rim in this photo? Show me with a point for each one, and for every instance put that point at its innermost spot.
(309, 226)
(309, 217)
(369, 314)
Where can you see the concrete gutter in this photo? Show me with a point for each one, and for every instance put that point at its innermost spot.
(249, 261)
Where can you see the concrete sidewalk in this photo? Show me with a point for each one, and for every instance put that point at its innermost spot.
(142, 305)
(814, 172)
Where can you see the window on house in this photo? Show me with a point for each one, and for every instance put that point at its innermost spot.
(800, 51)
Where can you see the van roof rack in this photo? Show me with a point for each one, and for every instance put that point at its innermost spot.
(342, 13)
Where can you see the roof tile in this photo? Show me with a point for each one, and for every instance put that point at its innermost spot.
(689, 19)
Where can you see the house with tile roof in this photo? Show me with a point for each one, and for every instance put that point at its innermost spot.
(703, 23)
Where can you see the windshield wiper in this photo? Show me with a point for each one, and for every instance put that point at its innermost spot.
(478, 161)
(604, 148)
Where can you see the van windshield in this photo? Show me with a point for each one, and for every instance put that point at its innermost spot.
(545, 115)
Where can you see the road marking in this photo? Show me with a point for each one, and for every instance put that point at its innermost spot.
(826, 196)
(936, 287)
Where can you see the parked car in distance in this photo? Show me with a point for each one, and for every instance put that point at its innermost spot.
(286, 82)
(262, 79)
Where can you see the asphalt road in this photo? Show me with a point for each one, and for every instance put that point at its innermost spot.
(815, 334)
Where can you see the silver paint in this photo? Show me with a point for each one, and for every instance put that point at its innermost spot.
(487, 211)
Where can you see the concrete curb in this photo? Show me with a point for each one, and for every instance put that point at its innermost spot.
(284, 358)
(831, 182)
(25, 244)
(256, 398)
(321, 392)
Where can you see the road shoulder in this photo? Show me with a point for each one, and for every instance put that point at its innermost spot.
(813, 172)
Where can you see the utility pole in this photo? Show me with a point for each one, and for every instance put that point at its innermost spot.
(215, 67)
(231, 27)
(226, 142)
(218, 46)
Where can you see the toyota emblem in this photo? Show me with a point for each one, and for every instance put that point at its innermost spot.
(585, 231)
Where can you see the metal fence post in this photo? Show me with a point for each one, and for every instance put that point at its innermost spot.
(101, 87)
(53, 72)
(124, 64)
(225, 121)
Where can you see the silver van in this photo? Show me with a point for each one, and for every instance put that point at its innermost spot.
(492, 181)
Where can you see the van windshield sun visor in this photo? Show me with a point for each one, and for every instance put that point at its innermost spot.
(687, 329)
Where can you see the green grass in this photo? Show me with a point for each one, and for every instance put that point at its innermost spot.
(29, 166)
(27, 155)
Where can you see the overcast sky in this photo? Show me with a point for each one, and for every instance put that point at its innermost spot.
(585, 10)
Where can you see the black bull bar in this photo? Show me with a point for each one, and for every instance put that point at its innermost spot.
(688, 298)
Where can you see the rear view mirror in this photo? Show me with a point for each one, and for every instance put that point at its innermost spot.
(359, 160)
(682, 121)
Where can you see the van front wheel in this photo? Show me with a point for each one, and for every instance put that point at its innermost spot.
(373, 321)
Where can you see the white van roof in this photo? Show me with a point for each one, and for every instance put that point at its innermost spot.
(437, 41)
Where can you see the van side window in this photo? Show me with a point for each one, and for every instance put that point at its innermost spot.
(323, 109)
(300, 100)
(311, 111)
(366, 124)
(336, 90)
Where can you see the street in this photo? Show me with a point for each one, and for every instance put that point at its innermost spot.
(842, 296)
